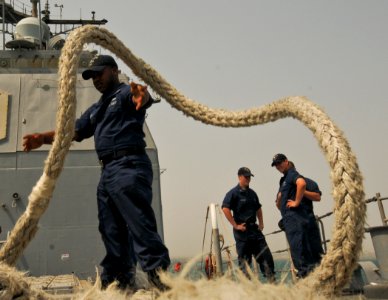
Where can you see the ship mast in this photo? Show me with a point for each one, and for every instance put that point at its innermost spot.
(34, 11)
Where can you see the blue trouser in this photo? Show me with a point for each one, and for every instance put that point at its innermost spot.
(252, 242)
(295, 225)
(127, 220)
(314, 239)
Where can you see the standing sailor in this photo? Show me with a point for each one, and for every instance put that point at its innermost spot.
(295, 220)
(245, 205)
(126, 219)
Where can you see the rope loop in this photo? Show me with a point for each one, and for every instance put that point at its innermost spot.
(350, 210)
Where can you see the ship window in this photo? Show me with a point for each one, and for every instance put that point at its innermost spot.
(3, 114)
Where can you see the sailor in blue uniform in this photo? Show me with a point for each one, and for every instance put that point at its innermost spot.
(295, 219)
(245, 205)
(313, 240)
(126, 219)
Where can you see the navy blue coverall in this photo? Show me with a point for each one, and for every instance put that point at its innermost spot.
(295, 221)
(244, 203)
(126, 219)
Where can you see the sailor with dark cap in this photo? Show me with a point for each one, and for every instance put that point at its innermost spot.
(246, 208)
(311, 194)
(126, 219)
(295, 220)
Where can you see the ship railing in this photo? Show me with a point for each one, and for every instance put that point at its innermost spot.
(379, 201)
(226, 247)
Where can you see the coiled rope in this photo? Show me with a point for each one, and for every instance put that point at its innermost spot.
(350, 210)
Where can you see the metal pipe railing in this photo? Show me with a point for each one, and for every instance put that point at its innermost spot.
(381, 208)
(319, 219)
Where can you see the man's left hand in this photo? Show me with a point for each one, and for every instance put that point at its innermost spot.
(292, 203)
(140, 95)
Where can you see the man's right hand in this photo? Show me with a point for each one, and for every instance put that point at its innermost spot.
(241, 227)
(32, 141)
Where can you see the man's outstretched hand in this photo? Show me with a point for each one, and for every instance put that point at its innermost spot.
(140, 95)
(32, 141)
(36, 140)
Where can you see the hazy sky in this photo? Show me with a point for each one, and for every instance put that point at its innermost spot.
(242, 54)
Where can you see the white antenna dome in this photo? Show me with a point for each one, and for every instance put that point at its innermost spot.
(27, 33)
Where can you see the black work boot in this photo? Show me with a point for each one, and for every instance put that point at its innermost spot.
(271, 278)
(106, 281)
(126, 283)
(154, 280)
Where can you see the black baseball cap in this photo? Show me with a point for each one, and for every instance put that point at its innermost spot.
(98, 64)
(244, 171)
(278, 158)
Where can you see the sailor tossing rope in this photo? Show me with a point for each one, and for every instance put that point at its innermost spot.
(126, 219)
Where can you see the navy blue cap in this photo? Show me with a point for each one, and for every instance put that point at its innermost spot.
(98, 65)
(244, 171)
